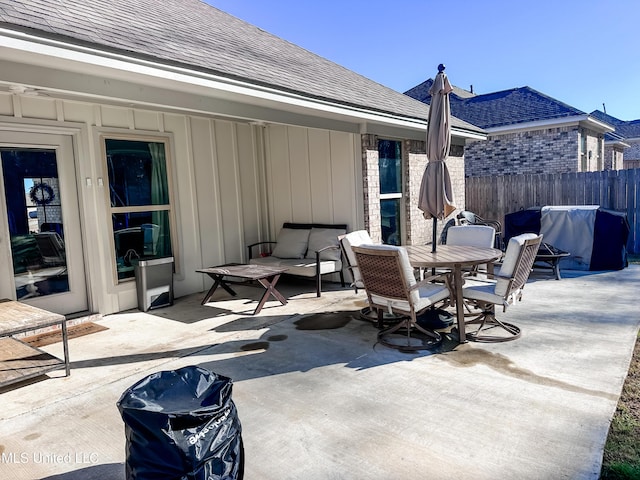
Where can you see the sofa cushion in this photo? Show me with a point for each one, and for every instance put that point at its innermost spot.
(324, 237)
(291, 243)
(304, 267)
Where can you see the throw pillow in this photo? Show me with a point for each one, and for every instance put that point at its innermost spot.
(291, 243)
(324, 237)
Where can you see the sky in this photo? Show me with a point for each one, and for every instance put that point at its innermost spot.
(584, 53)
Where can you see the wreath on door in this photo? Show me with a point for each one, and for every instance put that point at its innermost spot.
(41, 193)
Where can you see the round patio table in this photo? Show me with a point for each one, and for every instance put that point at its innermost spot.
(455, 258)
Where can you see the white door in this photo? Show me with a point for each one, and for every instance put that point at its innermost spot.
(40, 236)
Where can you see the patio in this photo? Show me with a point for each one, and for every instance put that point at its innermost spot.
(318, 399)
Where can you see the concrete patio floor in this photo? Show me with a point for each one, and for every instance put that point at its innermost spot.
(319, 399)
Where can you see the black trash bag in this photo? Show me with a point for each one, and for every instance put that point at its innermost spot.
(182, 424)
(435, 319)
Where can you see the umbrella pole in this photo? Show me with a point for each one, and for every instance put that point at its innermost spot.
(433, 240)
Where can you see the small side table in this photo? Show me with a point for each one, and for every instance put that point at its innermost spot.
(266, 276)
(551, 256)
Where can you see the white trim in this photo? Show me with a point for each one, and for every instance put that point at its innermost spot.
(82, 59)
(616, 143)
(553, 123)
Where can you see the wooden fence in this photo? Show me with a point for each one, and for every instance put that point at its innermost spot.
(493, 197)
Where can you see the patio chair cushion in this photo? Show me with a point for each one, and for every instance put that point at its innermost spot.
(291, 243)
(472, 235)
(355, 239)
(421, 297)
(320, 238)
(510, 260)
(305, 267)
(483, 290)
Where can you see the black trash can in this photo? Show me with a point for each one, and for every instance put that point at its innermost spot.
(182, 424)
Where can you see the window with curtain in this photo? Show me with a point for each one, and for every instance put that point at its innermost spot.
(390, 170)
(140, 201)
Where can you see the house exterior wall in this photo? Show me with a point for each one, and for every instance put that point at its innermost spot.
(233, 184)
(548, 150)
(417, 229)
(632, 154)
(312, 176)
(614, 158)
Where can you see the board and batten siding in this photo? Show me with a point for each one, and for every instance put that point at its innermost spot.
(312, 175)
(232, 183)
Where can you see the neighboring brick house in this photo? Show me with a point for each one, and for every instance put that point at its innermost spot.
(529, 132)
(622, 147)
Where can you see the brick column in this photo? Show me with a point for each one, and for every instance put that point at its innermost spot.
(371, 187)
(418, 229)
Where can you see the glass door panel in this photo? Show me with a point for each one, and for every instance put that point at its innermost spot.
(43, 243)
(32, 197)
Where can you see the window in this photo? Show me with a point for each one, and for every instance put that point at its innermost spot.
(390, 170)
(583, 152)
(599, 155)
(140, 201)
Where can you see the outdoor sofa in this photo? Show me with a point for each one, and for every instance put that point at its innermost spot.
(304, 249)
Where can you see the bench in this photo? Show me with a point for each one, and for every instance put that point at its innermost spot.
(304, 249)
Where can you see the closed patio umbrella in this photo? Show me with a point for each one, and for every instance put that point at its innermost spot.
(436, 194)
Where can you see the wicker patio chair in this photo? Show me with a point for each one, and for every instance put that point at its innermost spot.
(391, 287)
(347, 242)
(505, 289)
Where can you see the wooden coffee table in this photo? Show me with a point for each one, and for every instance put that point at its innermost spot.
(18, 360)
(266, 276)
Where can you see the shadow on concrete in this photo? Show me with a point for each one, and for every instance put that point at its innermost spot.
(107, 471)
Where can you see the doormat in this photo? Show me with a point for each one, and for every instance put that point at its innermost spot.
(74, 331)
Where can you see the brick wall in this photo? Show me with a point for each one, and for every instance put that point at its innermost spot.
(614, 158)
(549, 150)
(371, 187)
(632, 154)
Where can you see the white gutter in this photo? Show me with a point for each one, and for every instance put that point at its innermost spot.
(554, 123)
(617, 143)
(128, 66)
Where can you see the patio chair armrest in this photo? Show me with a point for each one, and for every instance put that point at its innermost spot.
(446, 277)
(323, 249)
(250, 247)
(328, 247)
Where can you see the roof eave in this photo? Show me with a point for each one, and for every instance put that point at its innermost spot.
(582, 120)
(46, 51)
(617, 143)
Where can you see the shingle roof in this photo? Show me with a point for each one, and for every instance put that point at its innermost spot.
(421, 92)
(624, 129)
(508, 107)
(194, 34)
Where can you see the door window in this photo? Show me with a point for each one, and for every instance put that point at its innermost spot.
(34, 213)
